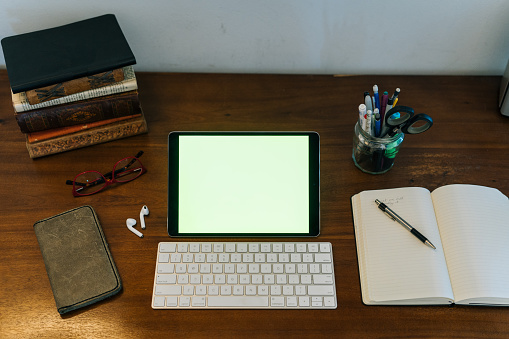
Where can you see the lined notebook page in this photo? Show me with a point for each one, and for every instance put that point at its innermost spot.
(395, 266)
(474, 226)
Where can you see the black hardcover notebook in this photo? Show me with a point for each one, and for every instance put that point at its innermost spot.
(63, 53)
(78, 261)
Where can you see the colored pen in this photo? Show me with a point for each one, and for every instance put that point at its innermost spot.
(389, 106)
(385, 98)
(376, 96)
(396, 93)
(377, 125)
(394, 101)
(367, 101)
(391, 214)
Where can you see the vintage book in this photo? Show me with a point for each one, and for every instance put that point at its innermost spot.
(62, 89)
(101, 134)
(46, 57)
(77, 258)
(468, 224)
(102, 108)
(21, 104)
(57, 132)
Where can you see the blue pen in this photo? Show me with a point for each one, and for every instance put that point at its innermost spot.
(377, 124)
(377, 98)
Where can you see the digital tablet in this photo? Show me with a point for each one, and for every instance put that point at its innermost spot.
(243, 184)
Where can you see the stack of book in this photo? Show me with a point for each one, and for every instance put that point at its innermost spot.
(73, 85)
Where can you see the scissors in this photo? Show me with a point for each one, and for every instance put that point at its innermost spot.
(408, 122)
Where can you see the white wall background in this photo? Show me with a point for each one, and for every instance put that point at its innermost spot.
(451, 37)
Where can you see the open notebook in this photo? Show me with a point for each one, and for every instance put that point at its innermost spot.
(468, 224)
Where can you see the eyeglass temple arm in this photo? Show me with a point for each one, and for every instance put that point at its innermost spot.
(108, 175)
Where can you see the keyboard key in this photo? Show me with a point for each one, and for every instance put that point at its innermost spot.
(198, 301)
(236, 301)
(277, 301)
(316, 301)
(321, 279)
(184, 301)
(291, 301)
(165, 268)
(168, 290)
(304, 301)
(164, 257)
(194, 247)
(324, 248)
(167, 248)
(322, 258)
(289, 247)
(329, 301)
(320, 290)
(171, 301)
(166, 278)
(301, 248)
(159, 301)
(254, 248)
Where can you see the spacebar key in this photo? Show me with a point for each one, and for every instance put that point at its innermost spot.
(238, 301)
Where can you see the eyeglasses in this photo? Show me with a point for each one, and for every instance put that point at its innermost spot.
(91, 182)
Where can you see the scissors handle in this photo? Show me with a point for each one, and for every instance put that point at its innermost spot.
(417, 124)
(389, 115)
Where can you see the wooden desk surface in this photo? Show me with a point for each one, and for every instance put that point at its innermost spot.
(469, 143)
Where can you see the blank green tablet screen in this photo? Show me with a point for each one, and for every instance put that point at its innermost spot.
(243, 184)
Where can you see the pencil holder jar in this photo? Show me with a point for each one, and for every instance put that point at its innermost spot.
(374, 155)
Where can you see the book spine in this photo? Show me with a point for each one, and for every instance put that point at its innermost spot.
(21, 103)
(57, 132)
(63, 89)
(90, 137)
(81, 112)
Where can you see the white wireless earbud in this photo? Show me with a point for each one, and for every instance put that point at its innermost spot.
(130, 225)
(144, 211)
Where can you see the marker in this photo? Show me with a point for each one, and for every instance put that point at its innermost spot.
(367, 101)
(369, 116)
(362, 113)
(377, 98)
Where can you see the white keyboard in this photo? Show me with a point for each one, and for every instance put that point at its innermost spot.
(251, 275)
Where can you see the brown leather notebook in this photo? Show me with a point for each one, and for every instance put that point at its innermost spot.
(78, 261)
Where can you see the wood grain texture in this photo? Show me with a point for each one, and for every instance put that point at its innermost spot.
(469, 143)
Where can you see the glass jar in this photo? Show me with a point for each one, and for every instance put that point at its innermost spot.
(374, 155)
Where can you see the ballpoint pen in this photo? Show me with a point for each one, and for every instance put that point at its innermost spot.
(376, 97)
(377, 125)
(391, 214)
